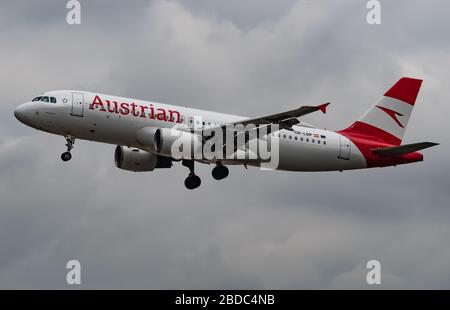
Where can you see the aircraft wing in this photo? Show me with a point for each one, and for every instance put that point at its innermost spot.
(284, 119)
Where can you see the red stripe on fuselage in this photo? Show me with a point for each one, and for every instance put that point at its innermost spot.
(364, 131)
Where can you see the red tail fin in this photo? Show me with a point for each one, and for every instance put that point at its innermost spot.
(386, 121)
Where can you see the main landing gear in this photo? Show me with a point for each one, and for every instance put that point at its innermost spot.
(220, 172)
(192, 181)
(66, 156)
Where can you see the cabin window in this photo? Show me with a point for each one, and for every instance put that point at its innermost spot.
(307, 139)
(301, 139)
(318, 141)
(313, 141)
(296, 138)
(324, 142)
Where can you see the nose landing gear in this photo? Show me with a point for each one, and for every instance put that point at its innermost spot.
(192, 181)
(66, 156)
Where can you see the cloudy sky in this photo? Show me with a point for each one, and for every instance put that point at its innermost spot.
(256, 229)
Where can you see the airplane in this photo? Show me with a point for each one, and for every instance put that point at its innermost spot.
(143, 132)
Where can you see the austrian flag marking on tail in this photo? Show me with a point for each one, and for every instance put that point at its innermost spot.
(388, 118)
(392, 114)
(406, 90)
(378, 134)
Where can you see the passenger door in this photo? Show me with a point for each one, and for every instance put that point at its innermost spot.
(77, 104)
(344, 151)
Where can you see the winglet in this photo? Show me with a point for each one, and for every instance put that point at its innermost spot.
(323, 107)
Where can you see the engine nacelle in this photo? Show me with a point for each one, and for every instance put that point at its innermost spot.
(177, 144)
(146, 137)
(137, 160)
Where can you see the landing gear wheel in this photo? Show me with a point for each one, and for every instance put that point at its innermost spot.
(192, 182)
(66, 156)
(220, 172)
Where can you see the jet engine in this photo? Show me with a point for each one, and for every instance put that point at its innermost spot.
(137, 160)
(177, 144)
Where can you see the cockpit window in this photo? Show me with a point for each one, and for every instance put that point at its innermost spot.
(45, 99)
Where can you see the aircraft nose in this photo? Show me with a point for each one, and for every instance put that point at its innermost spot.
(21, 113)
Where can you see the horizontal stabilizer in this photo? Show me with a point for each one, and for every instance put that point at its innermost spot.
(403, 149)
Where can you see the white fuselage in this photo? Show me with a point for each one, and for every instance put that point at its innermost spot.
(118, 120)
